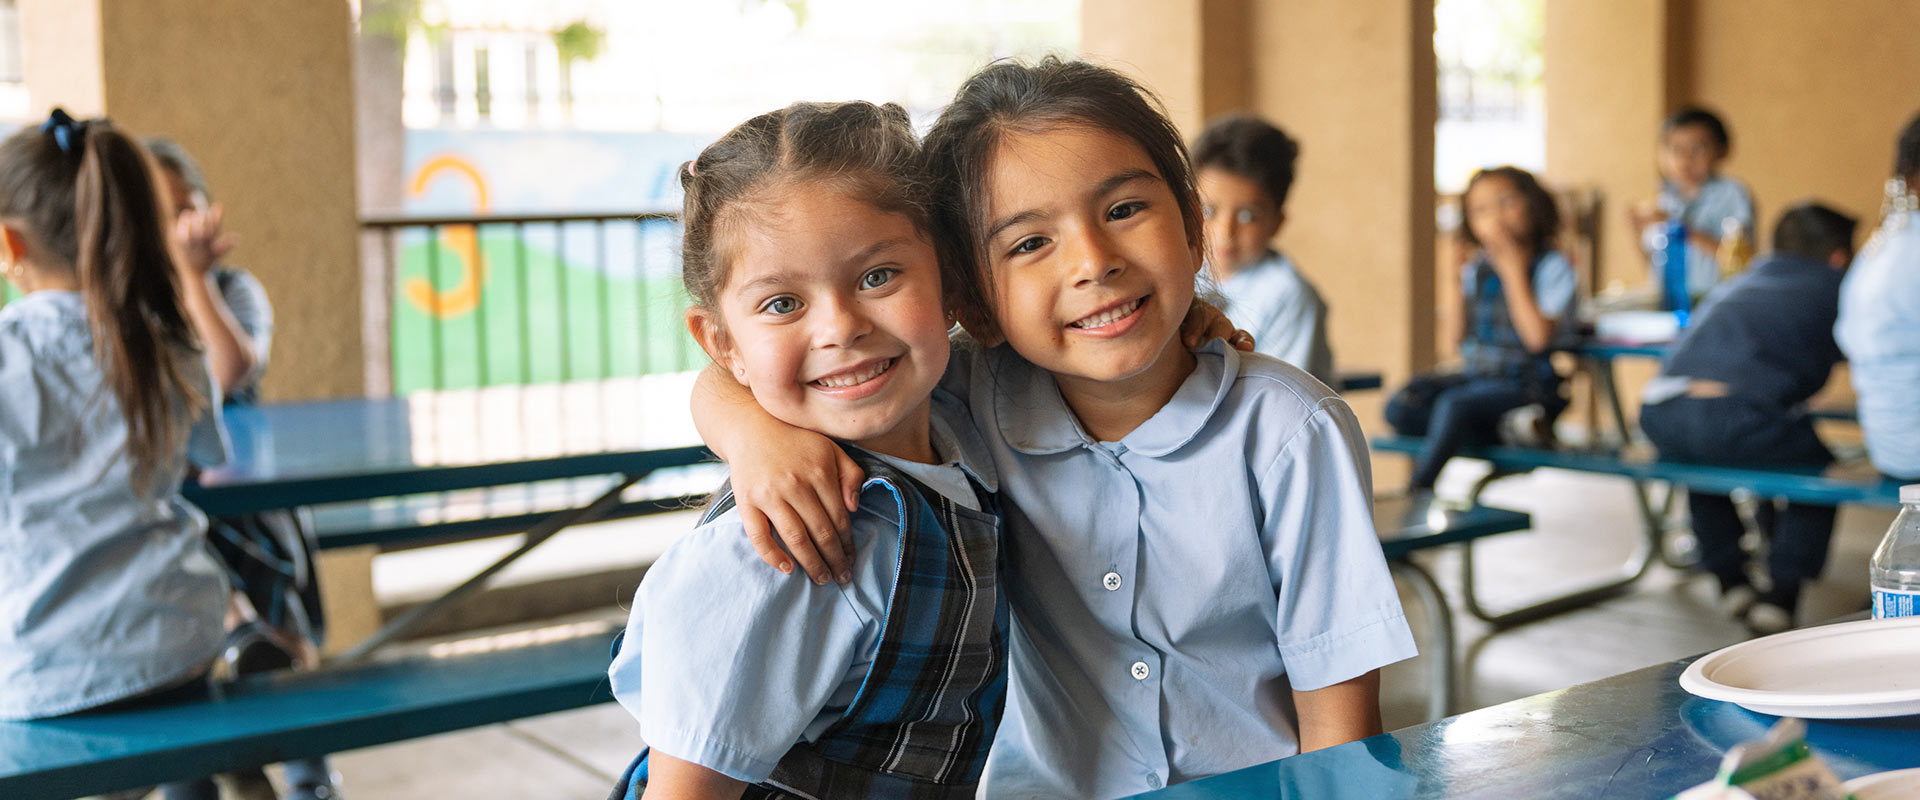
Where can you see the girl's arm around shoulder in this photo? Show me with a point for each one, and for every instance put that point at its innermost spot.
(727, 664)
(789, 482)
(1338, 615)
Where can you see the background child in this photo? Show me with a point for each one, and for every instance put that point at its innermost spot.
(816, 287)
(1196, 582)
(1879, 320)
(1513, 294)
(108, 593)
(1733, 390)
(270, 553)
(1243, 167)
(1693, 142)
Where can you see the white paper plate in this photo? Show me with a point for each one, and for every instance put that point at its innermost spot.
(1868, 668)
(1900, 783)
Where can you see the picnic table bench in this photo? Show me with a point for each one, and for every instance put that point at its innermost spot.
(1833, 486)
(282, 716)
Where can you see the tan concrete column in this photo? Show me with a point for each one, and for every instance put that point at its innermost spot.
(262, 95)
(1608, 84)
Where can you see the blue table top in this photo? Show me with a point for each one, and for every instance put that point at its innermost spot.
(338, 450)
(1637, 735)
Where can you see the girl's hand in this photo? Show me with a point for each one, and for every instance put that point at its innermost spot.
(1205, 323)
(199, 241)
(798, 492)
(786, 480)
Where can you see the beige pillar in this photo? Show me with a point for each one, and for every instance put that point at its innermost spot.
(262, 95)
(1608, 84)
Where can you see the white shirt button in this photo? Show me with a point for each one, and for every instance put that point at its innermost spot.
(1140, 671)
(1153, 781)
(1111, 580)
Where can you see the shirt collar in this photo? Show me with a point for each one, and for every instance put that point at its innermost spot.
(958, 442)
(1035, 420)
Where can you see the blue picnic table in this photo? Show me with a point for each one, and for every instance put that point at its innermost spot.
(1636, 735)
(361, 449)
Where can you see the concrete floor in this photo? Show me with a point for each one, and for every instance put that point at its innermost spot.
(1584, 525)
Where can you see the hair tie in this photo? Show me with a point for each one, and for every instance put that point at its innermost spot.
(65, 129)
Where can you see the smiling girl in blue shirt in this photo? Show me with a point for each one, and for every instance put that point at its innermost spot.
(817, 289)
(1195, 578)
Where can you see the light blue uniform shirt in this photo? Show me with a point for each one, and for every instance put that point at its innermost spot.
(1879, 330)
(728, 664)
(1168, 589)
(1273, 301)
(247, 300)
(1720, 198)
(104, 594)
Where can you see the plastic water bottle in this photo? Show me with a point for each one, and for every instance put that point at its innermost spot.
(1895, 574)
(1670, 262)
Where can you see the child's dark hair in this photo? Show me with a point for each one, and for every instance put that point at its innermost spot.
(1686, 116)
(1814, 231)
(85, 192)
(1251, 148)
(1012, 97)
(1542, 212)
(865, 150)
(1906, 152)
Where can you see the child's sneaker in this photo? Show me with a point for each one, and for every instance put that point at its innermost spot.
(1737, 600)
(1766, 619)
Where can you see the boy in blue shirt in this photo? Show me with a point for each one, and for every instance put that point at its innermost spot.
(1693, 143)
(1733, 391)
(1243, 168)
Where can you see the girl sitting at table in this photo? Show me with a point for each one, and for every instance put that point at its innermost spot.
(1196, 582)
(1514, 292)
(817, 288)
(108, 593)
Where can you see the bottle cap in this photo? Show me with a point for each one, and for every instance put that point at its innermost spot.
(1910, 494)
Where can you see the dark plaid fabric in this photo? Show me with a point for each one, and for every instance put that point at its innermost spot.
(1497, 350)
(931, 701)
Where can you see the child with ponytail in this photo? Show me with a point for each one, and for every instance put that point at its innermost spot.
(108, 593)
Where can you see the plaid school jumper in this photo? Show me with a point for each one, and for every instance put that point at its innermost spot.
(927, 710)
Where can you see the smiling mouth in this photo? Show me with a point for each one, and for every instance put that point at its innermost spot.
(845, 380)
(1107, 317)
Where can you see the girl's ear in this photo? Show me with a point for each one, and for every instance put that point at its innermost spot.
(13, 245)
(704, 324)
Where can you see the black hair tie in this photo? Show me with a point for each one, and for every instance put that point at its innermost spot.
(66, 130)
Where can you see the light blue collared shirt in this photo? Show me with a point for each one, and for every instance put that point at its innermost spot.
(104, 594)
(1879, 330)
(1273, 301)
(1720, 198)
(728, 664)
(1169, 589)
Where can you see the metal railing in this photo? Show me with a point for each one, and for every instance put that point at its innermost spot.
(460, 302)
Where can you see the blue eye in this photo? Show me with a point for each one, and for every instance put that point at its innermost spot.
(781, 305)
(878, 278)
(1125, 210)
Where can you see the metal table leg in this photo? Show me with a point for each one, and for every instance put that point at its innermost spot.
(534, 537)
(1646, 553)
(1442, 694)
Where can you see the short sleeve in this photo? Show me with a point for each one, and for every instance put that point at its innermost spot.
(727, 663)
(1554, 285)
(1339, 615)
(247, 299)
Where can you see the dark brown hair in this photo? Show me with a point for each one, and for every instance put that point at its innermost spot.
(1906, 151)
(1013, 97)
(1698, 116)
(1542, 213)
(866, 150)
(1251, 148)
(92, 204)
(1814, 231)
